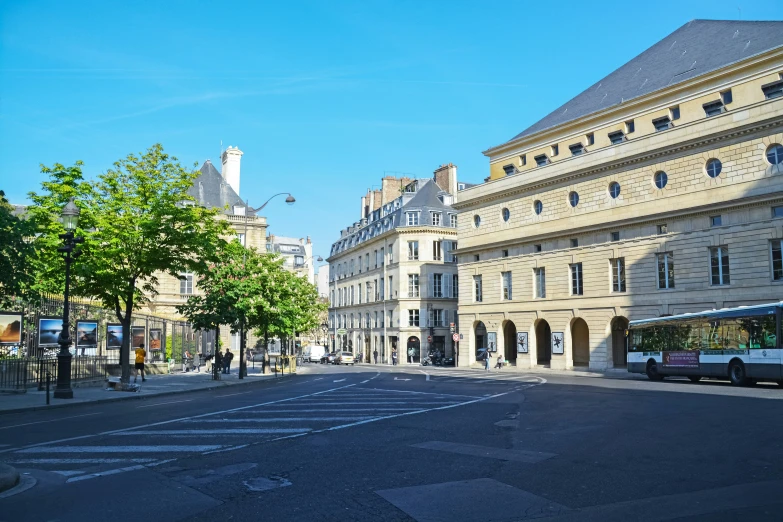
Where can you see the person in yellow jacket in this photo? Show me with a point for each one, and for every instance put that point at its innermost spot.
(140, 355)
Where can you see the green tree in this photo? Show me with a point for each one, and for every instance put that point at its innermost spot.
(16, 251)
(138, 222)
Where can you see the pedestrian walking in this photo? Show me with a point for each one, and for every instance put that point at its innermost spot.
(394, 357)
(227, 361)
(217, 365)
(486, 361)
(208, 363)
(141, 353)
(197, 362)
(375, 354)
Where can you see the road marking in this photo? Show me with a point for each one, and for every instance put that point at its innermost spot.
(287, 419)
(398, 379)
(319, 410)
(41, 422)
(105, 473)
(318, 379)
(339, 380)
(529, 457)
(119, 449)
(69, 473)
(220, 431)
(399, 403)
(364, 382)
(81, 461)
(232, 394)
(162, 403)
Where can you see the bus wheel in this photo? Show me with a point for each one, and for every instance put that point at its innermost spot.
(694, 378)
(652, 371)
(737, 374)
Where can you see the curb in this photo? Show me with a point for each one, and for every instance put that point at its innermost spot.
(9, 477)
(129, 397)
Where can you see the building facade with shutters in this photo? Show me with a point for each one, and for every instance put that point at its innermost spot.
(392, 277)
(657, 191)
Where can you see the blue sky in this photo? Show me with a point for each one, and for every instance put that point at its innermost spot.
(324, 98)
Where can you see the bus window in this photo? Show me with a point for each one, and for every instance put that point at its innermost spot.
(735, 333)
(711, 336)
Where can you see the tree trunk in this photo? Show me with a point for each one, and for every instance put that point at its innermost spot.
(265, 365)
(125, 349)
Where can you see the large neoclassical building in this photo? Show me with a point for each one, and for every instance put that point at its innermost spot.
(658, 190)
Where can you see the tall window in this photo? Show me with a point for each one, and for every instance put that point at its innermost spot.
(436, 251)
(353, 300)
(377, 290)
(437, 317)
(450, 257)
(241, 238)
(413, 285)
(376, 258)
(506, 281)
(375, 321)
(436, 218)
(719, 265)
(576, 279)
(367, 260)
(360, 264)
(478, 295)
(186, 283)
(381, 290)
(540, 282)
(360, 293)
(453, 219)
(665, 270)
(618, 274)
(413, 317)
(369, 292)
(391, 253)
(351, 320)
(412, 218)
(777, 259)
(413, 250)
(455, 285)
(391, 288)
(351, 266)
(437, 285)
(383, 256)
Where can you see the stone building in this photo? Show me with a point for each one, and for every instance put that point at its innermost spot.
(656, 191)
(393, 282)
(297, 254)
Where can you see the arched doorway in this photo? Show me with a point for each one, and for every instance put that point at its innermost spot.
(480, 340)
(543, 343)
(580, 342)
(413, 349)
(619, 354)
(510, 342)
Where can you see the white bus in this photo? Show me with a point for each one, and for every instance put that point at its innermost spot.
(741, 344)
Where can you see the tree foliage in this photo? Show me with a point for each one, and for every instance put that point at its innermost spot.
(16, 250)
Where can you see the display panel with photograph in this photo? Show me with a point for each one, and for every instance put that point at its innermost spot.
(86, 334)
(156, 339)
(558, 343)
(138, 337)
(492, 341)
(49, 329)
(114, 336)
(522, 342)
(10, 328)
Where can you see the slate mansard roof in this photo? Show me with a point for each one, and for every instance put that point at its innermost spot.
(425, 199)
(696, 48)
(211, 190)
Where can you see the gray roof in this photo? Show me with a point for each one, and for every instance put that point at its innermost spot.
(211, 190)
(696, 48)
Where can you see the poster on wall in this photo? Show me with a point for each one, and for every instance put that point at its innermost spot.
(86, 334)
(10, 328)
(156, 339)
(558, 343)
(521, 342)
(137, 336)
(492, 341)
(113, 336)
(49, 329)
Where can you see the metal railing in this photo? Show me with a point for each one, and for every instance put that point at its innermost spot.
(21, 373)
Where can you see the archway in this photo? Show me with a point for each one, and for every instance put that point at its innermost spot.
(510, 341)
(413, 351)
(580, 342)
(619, 354)
(480, 340)
(543, 343)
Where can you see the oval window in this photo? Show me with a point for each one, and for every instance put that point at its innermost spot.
(775, 154)
(506, 214)
(714, 166)
(573, 198)
(661, 179)
(614, 189)
(538, 207)
(476, 220)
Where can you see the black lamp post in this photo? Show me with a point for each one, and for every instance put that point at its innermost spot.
(70, 217)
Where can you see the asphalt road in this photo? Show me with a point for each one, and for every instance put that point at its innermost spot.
(421, 444)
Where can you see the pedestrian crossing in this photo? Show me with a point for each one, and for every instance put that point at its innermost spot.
(483, 378)
(152, 445)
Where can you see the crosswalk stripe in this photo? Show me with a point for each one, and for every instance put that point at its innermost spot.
(119, 449)
(81, 461)
(399, 403)
(286, 419)
(226, 431)
(319, 410)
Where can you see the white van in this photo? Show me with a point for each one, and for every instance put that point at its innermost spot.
(315, 353)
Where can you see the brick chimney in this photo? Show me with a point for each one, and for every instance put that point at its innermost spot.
(446, 178)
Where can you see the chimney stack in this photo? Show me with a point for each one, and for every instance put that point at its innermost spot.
(446, 178)
(231, 158)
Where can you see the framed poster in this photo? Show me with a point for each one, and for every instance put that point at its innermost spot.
(49, 329)
(558, 343)
(521, 342)
(492, 341)
(138, 336)
(10, 328)
(114, 336)
(156, 339)
(86, 334)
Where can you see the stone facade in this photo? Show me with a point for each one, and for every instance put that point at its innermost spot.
(692, 243)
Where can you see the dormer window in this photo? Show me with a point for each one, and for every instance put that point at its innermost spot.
(412, 219)
(576, 149)
(773, 90)
(509, 170)
(555, 150)
(662, 124)
(617, 137)
(714, 108)
(541, 160)
(239, 210)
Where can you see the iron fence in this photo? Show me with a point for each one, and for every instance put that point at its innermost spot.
(20, 373)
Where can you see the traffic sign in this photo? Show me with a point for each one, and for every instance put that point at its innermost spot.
(429, 338)
(455, 337)
(452, 327)
(341, 331)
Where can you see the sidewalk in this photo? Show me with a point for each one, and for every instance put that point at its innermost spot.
(156, 385)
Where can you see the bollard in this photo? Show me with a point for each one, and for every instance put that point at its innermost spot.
(48, 381)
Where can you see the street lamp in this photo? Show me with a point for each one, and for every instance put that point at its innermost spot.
(290, 200)
(70, 219)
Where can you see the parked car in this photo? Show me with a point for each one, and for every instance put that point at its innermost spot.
(345, 358)
(329, 358)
